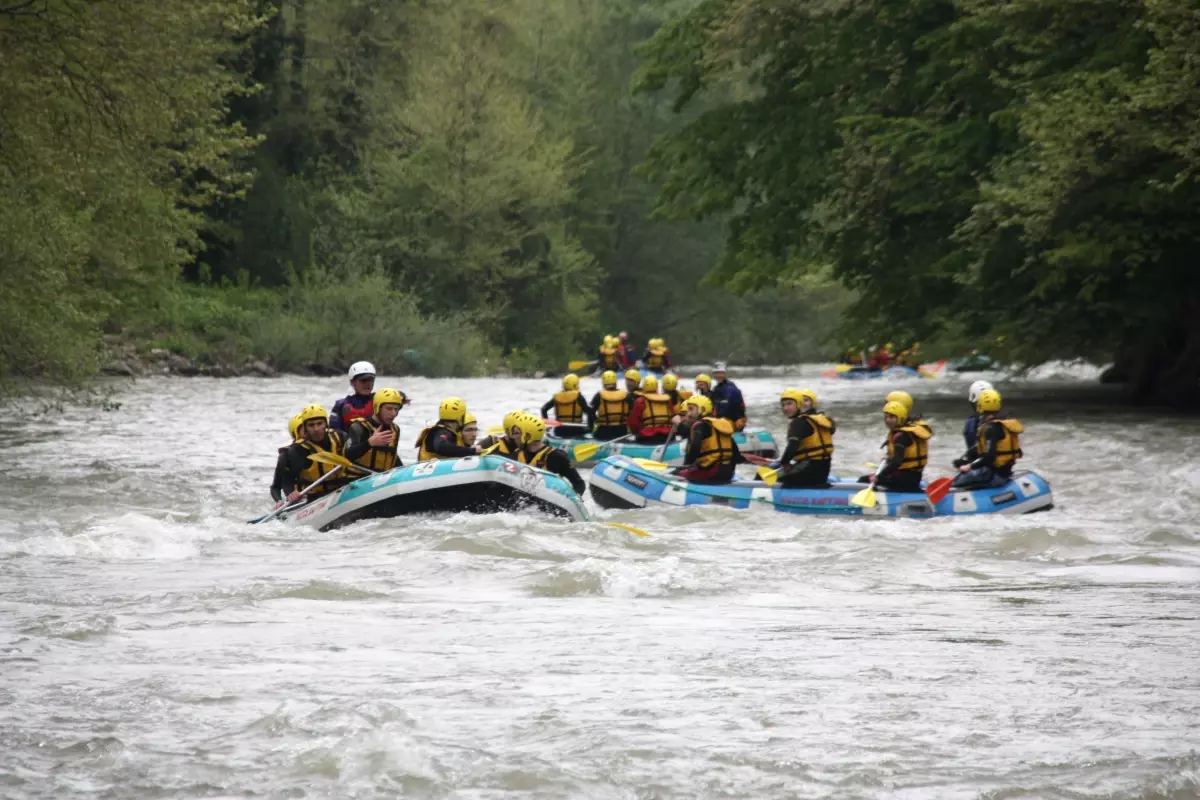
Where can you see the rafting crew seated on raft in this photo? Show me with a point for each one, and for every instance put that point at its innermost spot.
(570, 410)
(711, 452)
(610, 409)
(444, 439)
(372, 442)
(299, 471)
(536, 453)
(806, 460)
(907, 451)
(650, 415)
(989, 462)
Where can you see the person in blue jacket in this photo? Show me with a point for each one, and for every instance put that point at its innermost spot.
(971, 426)
(727, 398)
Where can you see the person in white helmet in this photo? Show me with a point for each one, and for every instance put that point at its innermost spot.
(971, 426)
(358, 405)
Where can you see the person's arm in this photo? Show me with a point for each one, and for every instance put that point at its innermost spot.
(901, 442)
(335, 416)
(558, 463)
(356, 441)
(700, 432)
(595, 404)
(549, 404)
(442, 442)
(295, 462)
(634, 421)
(589, 414)
(278, 478)
(738, 458)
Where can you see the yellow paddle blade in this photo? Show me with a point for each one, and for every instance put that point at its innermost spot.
(649, 464)
(583, 452)
(629, 528)
(487, 450)
(335, 460)
(769, 475)
(495, 430)
(865, 498)
(869, 464)
(574, 365)
(844, 367)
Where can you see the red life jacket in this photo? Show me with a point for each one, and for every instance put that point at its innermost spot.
(349, 413)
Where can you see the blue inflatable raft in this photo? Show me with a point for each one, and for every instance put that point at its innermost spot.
(619, 482)
(752, 440)
(477, 484)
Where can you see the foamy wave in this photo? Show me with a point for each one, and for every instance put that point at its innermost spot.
(128, 536)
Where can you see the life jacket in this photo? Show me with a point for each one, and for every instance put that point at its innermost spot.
(717, 447)
(1008, 449)
(613, 409)
(537, 459)
(608, 357)
(568, 407)
(503, 448)
(349, 413)
(658, 410)
(916, 455)
(818, 445)
(383, 457)
(654, 358)
(423, 452)
(335, 444)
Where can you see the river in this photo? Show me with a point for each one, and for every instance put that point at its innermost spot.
(153, 645)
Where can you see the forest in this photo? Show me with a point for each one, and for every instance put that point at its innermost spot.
(458, 186)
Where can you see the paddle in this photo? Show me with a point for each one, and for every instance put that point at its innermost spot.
(285, 505)
(629, 528)
(926, 371)
(340, 461)
(649, 463)
(768, 475)
(937, 491)
(574, 365)
(584, 452)
(866, 497)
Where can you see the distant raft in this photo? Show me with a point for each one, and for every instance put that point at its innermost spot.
(752, 440)
(620, 483)
(848, 373)
(480, 484)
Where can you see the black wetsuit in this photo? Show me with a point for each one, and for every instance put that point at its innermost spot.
(808, 473)
(444, 442)
(295, 461)
(278, 479)
(892, 477)
(983, 470)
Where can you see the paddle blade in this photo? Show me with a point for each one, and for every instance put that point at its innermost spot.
(865, 498)
(574, 365)
(551, 423)
(495, 430)
(937, 491)
(336, 460)
(769, 475)
(583, 452)
(843, 367)
(649, 464)
(488, 450)
(630, 528)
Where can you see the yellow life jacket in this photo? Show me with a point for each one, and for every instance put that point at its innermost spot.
(503, 448)
(336, 444)
(658, 410)
(608, 357)
(424, 453)
(1008, 449)
(818, 445)
(568, 407)
(916, 455)
(655, 359)
(612, 409)
(383, 457)
(717, 447)
(537, 459)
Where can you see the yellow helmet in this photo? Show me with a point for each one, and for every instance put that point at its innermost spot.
(570, 381)
(532, 428)
(394, 396)
(989, 400)
(633, 375)
(452, 409)
(656, 342)
(904, 398)
(510, 419)
(609, 378)
(701, 402)
(889, 346)
(897, 410)
(705, 379)
(311, 412)
(670, 382)
(649, 384)
(294, 425)
(792, 394)
(469, 418)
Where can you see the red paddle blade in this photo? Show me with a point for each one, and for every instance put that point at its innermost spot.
(937, 490)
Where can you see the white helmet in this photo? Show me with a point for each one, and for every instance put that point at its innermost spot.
(977, 388)
(363, 368)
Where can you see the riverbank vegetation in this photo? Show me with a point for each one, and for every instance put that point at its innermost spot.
(1026, 169)
(455, 186)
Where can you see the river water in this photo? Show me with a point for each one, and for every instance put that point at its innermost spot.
(152, 645)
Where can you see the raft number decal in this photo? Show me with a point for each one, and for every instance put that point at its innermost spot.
(424, 468)
(635, 481)
(1004, 497)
